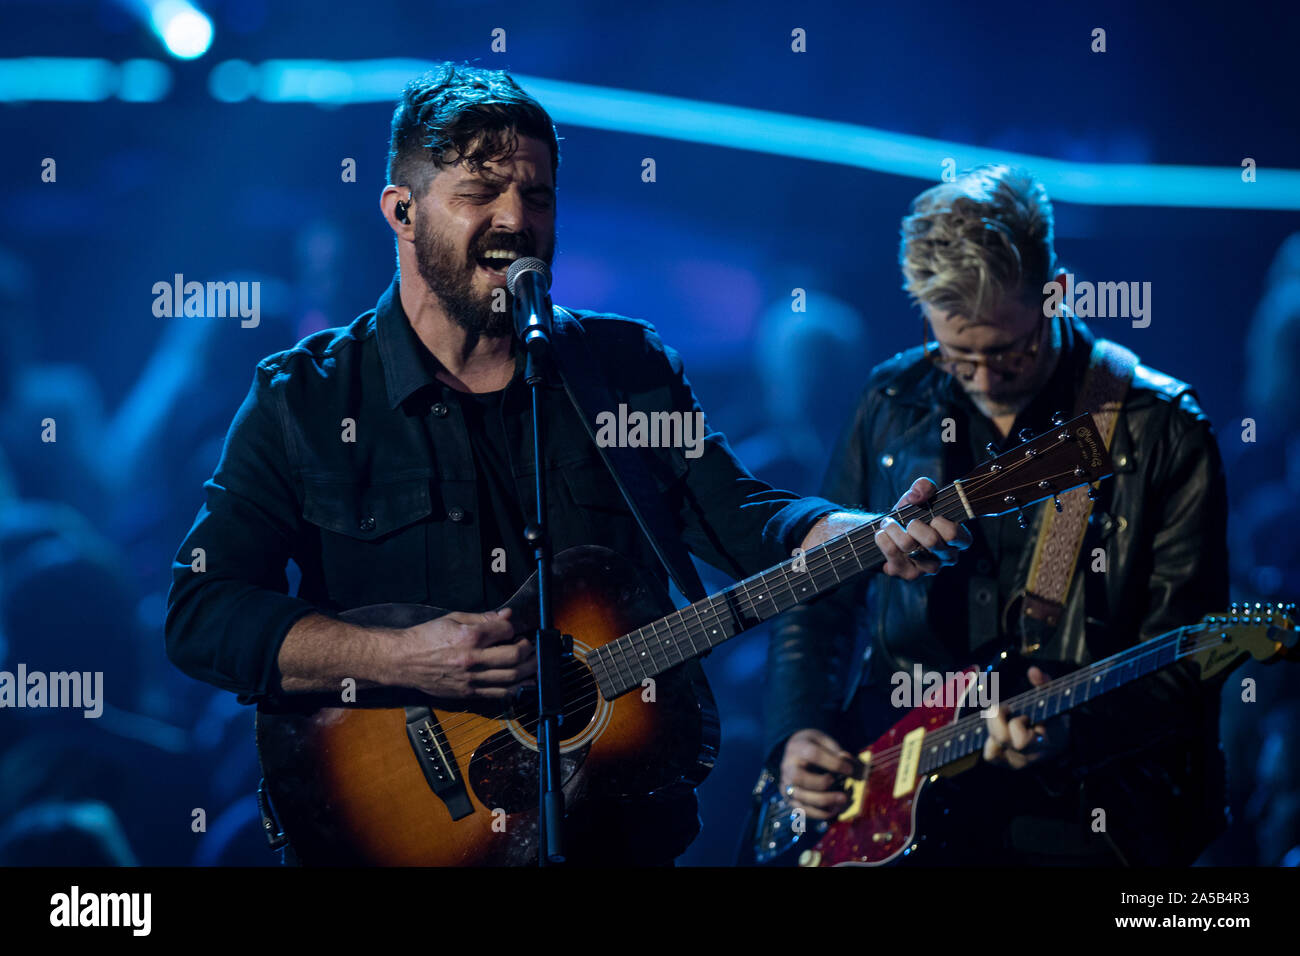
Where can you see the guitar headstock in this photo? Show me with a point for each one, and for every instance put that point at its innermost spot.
(1069, 456)
(1266, 632)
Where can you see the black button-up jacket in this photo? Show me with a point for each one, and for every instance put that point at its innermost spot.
(349, 457)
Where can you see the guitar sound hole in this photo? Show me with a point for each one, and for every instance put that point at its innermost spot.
(503, 772)
(580, 700)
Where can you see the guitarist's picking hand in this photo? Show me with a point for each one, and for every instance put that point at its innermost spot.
(1014, 744)
(464, 655)
(809, 754)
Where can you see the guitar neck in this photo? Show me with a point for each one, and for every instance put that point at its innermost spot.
(696, 629)
(966, 736)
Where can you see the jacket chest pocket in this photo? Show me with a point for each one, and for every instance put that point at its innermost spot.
(605, 514)
(373, 539)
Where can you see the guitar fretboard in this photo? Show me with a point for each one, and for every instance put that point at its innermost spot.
(697, 628)
(966, 736)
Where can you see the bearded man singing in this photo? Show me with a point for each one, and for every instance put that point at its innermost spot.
(391, 460)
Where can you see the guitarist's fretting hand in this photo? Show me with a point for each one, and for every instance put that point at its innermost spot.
(1015, 744)
(462, 655)
(922, 548)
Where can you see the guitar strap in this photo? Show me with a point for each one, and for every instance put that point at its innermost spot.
(1060, 535)
(587, 389)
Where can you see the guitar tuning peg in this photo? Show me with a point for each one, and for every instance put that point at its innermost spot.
(1025, 434)
(1092, 493)
(1058, 419)
(1056, 500)
(1020, 518)
(992, 449)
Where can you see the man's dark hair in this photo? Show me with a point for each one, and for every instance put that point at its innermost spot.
(462, 114)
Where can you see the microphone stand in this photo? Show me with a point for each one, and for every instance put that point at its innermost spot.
(548, 641)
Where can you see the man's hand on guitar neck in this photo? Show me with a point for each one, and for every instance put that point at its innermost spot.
(1014, 744)
(920, 549)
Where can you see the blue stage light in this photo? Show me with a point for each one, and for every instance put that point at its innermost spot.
(144, 81)
(184, 29)
(339, 82)
(74, 79)
(82, 80)
(233, 81)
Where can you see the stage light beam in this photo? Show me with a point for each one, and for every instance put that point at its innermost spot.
(184, 29)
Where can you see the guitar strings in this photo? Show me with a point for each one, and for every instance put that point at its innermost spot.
(826, 557)
(583, 692)
(889, 757)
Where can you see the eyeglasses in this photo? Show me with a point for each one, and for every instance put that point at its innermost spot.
(1013, 361)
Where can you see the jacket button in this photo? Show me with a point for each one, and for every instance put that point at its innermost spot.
(456, 513)
(368, 523)
(891, 391)
(439, 409)
(983, 596)
(887, 460)
(1121, 459)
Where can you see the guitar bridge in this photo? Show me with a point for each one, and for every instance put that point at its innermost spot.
(437, 761)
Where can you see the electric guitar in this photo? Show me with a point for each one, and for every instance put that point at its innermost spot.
(393, 777)
(889, 811)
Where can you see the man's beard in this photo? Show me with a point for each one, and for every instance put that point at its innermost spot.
(1003, 404)
(1011, 402)
(452, 280)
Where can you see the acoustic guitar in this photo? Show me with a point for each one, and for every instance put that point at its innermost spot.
(398, 778)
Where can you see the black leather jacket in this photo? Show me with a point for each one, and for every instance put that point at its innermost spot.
(1151, 748)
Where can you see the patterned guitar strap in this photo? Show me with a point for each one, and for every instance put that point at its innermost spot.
(1060, 534)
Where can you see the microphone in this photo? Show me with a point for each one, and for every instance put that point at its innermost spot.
(529, 282)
